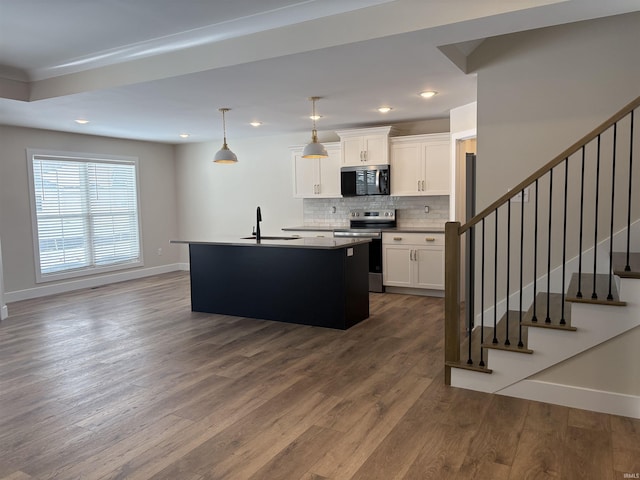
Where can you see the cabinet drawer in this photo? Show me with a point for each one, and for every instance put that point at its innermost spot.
(402, 238)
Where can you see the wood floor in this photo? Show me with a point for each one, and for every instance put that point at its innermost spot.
(124, 381)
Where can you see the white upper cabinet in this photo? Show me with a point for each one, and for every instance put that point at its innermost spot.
(421, 165)
(365, 146)
(316, 177)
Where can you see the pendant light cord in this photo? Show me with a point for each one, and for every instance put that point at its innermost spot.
(224, 126)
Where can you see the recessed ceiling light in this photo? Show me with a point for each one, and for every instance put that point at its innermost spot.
(184, 135)
(428, 94)
(255, 124)
(315, 117)
(384, 109)
(81, 121)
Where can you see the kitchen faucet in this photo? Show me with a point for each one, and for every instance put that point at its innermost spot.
(258, 220)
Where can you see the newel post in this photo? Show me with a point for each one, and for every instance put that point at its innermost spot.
(451, 297)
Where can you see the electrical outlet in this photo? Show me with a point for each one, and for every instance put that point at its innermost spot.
(426, 209)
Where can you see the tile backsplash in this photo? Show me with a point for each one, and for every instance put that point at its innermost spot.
(409, 210)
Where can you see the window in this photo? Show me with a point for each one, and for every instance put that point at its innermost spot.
(85, 213)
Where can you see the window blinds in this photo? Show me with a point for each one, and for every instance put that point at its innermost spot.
(86, 213)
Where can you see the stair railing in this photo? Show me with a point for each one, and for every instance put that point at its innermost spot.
(540, 241)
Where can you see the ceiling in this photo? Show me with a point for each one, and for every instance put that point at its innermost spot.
(152, 69)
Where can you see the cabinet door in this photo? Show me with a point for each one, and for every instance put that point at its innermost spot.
(376, 148)
(352, 151)
(429, 267)
(396, 268)
(305, 176)
(437, 168)
(330, 174)
(406, 170)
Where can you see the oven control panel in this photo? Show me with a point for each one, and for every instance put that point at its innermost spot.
(373, 215)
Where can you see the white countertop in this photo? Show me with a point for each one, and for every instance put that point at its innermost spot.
(301, 242)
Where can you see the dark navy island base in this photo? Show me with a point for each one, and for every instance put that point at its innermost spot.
(325, 287)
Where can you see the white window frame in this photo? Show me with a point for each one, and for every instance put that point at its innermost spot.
(83, 158)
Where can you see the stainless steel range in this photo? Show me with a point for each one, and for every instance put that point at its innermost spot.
(369, 224)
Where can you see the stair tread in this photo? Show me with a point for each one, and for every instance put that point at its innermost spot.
(602, 290)
(513, 317)
(465, 366)
(555, 312)
(619, 263)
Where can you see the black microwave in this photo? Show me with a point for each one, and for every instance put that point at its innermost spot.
(365, 180)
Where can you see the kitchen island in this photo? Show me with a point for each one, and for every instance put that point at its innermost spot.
(311, 281)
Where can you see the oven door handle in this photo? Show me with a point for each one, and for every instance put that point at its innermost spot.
(378, 181)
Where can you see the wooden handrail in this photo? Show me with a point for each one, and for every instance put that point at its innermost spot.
(553, 163)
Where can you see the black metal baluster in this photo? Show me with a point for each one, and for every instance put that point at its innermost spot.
(548, 319)
(507, 342)
(535, 257)
(594, 295)
(627, 267)
(495, 281)
(482, 302)
(470, 323)
(520, 343)
(579, 294)
(564, 238)
(613, 197)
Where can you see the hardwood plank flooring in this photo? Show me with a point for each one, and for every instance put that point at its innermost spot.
(125, 382)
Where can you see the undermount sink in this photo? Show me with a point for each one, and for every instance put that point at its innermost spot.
(266, 237)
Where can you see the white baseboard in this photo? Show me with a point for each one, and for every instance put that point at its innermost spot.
(89, 282)
(184, 266)
(576, 397)
(4, 312)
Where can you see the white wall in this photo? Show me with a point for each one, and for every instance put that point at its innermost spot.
(464, 128)
(539, 92)
(157, 202)
(3, 307)
(221, 200)
(464, 119)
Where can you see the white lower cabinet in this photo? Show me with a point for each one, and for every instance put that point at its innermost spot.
(414, 260)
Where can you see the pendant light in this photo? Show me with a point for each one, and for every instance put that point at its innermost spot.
(314, 149)
(224, 155)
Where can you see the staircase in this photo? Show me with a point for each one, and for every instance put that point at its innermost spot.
(552, 278)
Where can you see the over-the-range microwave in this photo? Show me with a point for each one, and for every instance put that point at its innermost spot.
(365, 180)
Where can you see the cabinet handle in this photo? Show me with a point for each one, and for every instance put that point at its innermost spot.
(418, 185)
(429, 239)
(410, 254)
(415, 255)
(361, 156)
(397, 239)
(318, 191)
(423, 186)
